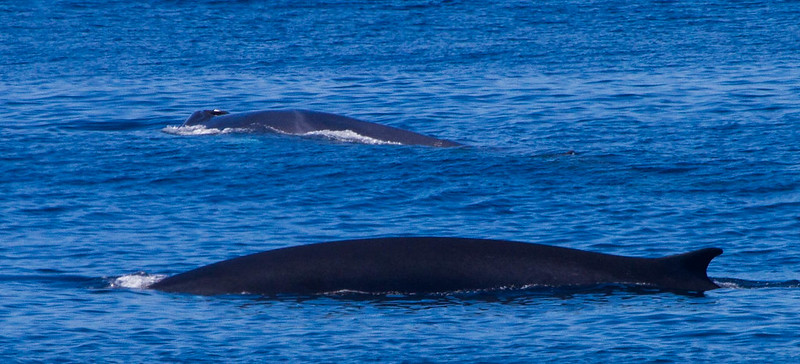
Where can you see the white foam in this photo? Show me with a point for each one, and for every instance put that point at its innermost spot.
(726, 284)
(348, 136)
(337, 135)
(138, 280)
(200, 130)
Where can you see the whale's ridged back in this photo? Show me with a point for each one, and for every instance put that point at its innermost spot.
(431, 264)
(300, 122)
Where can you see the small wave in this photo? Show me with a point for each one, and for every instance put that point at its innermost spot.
(728, 284)
(200, 130)
(344, 292)
(347, 136)
(107, 126)
(138, 280)
(745, 284)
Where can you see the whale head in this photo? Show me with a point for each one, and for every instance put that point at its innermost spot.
(201, 116)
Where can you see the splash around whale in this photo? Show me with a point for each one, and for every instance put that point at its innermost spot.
(420, 265)
(306, 123)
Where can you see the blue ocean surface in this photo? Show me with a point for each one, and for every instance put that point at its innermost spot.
(683, 116)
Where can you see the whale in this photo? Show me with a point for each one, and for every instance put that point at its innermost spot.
(431, 265)
(302, 122)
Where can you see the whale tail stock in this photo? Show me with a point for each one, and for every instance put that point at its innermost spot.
(687, 271)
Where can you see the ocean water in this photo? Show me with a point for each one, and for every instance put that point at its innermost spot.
(683, 117)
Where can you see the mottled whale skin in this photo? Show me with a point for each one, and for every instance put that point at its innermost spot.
(436, 265)
(303, 121)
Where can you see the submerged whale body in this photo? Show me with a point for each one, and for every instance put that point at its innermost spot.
(436, 265)
(301, 122)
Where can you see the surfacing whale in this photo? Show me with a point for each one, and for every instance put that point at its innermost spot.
(422, 265)
(300, 122)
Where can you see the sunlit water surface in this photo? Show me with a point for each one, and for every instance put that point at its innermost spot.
(683, 117)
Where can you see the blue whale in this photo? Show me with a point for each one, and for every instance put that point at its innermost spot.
(436, 265)
(301, 122)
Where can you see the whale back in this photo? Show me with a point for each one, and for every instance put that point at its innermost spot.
(303, 122)
(432, 264)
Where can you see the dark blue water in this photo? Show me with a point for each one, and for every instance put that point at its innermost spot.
(684, 116)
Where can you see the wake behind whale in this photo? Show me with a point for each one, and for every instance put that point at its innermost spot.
(305, 123)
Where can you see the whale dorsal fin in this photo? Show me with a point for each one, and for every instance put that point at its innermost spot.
(697, 261)
(691, 268)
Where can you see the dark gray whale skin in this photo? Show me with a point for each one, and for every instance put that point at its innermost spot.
(436, 265)
(304, 121)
